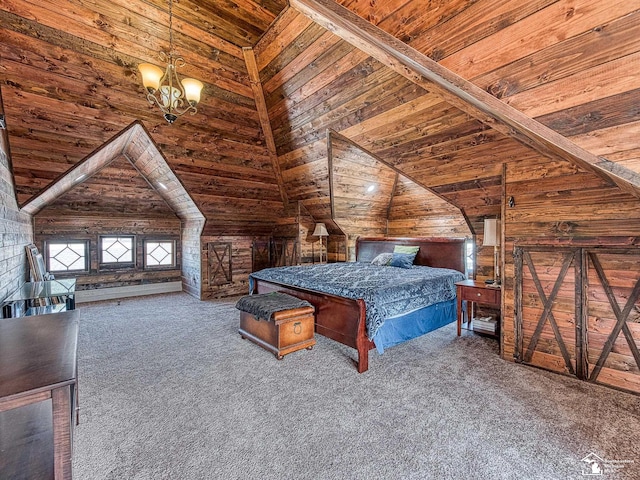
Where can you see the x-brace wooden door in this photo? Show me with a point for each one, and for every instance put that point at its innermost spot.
(219, 263)
(260, 255)
(548, 313)
(613, 296)
(284, 251)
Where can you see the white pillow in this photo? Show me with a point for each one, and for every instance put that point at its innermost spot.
(382, 260)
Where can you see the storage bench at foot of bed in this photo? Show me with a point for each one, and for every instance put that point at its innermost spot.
(286, 332)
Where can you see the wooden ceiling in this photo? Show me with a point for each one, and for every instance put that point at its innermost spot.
(570, 66)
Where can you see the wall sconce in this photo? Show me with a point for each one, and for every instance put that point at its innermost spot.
(320, 231)
(492, 239)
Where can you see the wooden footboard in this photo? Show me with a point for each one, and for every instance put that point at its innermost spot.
(341, 319)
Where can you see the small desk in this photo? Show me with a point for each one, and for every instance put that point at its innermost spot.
(64, 288)
(38, 364)
(475, 292)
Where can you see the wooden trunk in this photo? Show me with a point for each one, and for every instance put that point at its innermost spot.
(288, 330)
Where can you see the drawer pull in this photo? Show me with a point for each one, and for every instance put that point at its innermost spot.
(297, 328)
(479, 294)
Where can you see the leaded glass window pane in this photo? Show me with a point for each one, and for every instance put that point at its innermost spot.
(159, 253)
(66, 256)
(117, 249)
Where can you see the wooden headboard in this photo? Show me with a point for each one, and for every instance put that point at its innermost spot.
(434, 251)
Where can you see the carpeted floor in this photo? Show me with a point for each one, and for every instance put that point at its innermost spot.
(169, 390)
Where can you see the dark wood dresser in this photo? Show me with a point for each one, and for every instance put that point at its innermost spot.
(38, 369)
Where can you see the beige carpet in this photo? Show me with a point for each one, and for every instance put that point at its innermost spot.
(169, 390)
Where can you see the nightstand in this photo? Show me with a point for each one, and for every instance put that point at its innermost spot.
(475, 292)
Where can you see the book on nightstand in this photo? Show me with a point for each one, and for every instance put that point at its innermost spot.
(485, 325)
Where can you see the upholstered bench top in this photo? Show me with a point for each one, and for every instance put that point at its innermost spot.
(264, 305)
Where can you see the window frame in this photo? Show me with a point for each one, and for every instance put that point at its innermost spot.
(102, 265)
(75, 241)
(174, 253)
(470, 260)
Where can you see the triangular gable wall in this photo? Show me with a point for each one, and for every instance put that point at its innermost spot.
(117, 189)
(370, 197)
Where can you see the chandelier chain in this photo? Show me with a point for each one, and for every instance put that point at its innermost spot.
(170, 27)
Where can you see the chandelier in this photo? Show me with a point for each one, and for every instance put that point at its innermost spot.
(175, 97)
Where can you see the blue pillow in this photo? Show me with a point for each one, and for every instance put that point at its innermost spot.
(402, 260)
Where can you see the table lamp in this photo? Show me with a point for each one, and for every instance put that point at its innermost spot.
(320, 231)
(492, 239)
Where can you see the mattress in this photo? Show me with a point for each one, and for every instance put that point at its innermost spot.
(387, 291)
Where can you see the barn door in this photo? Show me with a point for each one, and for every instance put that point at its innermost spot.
(548, 309)
(284, 251)
(260, 255)
(219, 263)
(613, 294)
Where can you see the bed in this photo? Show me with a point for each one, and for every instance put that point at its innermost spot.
(364, 322)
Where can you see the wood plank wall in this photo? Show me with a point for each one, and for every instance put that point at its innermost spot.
(303, 86)
(564, 207)
(90, 228)
(297, 228)
(361, 190)
(15, 228)
(240, 265)
(415, 212)
(370, 198)
(309, 251)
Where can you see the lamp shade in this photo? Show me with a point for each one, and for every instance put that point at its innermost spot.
(320, 230)
(192, 89)
(491, 232)
(151, 76)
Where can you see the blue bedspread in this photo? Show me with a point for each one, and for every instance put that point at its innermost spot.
(387, 291)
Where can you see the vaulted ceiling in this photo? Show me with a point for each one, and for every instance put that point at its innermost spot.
(68, 72)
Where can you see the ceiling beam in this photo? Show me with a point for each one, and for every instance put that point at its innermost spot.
(459, 92)
(263, 115)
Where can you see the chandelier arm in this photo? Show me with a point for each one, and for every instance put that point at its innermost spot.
(154, 101)
(167, 75)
